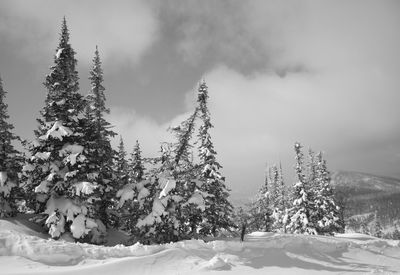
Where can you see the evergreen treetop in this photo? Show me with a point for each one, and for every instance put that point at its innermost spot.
(136, 168)
(63, 102)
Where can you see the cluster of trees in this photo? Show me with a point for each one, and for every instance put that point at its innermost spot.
(307, 207)
(81, 185)
(371, 224)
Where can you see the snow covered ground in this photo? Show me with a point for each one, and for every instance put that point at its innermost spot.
(25, 250)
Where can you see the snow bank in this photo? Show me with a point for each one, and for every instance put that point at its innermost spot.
(24, 252)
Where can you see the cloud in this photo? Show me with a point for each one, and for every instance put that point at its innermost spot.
(323, 73)
(124, 30)
(331, 82)
(133, 126)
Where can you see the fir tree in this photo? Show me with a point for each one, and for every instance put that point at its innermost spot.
(188, 188)
(279, 212)
(261, 208)
(136, 167)
(9, 161)
(98, 135)
(275, 187)
(172, 192)
(132, 194)
(326, 211)
(300, 216)
(218, 210)
(56, 172)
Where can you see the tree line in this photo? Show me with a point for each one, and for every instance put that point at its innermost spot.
(78, 185)
(309, 206)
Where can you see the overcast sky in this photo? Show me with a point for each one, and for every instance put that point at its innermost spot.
(325, 73)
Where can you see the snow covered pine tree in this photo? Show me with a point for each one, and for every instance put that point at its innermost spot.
(261, 206)
(218, 210)
(9, 161)
(121, 180)
(131, 196)
(58, 172)
(164, 221)
(121, 166)
(98, 134)
(280, 210)
(299, 213)
(327, 212)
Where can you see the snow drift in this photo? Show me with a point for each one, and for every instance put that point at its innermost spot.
(24, 250)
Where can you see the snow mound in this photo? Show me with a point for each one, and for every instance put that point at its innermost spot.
(216, 263)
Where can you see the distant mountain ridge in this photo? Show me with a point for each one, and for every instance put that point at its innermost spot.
(365, 181)
(364, 193)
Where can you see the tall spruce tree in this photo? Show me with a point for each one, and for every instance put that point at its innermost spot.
(300, 216)
(218, 209)
(56, 172)
(9, 161)
(312, 187)
(261, 209)
(98, 134)
(164, 220)
(327, 212)
(279, 212)
(188, 188)
(151, 226)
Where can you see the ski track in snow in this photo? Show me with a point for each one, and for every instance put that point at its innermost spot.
(24, 250)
